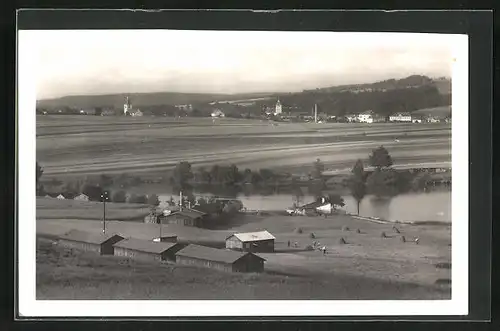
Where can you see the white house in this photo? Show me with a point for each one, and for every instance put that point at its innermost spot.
(217, 113)
(400, 117)
(351, 117)
(136, 113)
(61, 197)
(366, 117)
(433, 119)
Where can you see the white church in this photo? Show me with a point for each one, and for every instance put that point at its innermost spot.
(128, 109)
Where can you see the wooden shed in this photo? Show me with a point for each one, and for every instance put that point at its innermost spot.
(187, 217)
(220, 259)
(93, 242)
(147, 250)
(261, 241)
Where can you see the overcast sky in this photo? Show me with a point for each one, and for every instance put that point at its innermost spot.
(81, 62)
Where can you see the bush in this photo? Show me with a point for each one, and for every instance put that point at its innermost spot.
(137, 198)
(119, 196)
(153, 200)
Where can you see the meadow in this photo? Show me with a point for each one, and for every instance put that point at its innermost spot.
(365, 258)
(82, 145)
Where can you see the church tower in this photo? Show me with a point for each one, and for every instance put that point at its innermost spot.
(278, 108)
(127, 107)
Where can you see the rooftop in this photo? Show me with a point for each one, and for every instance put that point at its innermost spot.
(87, 237)
(191, 213)
(253, 236)
(145, 245)
(211, 254)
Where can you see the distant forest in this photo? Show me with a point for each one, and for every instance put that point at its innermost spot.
(384, 98)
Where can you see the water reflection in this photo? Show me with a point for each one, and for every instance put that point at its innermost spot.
(429, 206)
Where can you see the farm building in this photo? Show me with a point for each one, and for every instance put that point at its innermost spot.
(167, 238)
(81, 197)
(146, 250)
(261, 241)
(220, 259)
(61, 197)
(187, 217)
(100, 243)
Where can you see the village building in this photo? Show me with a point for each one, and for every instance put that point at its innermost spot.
(351, 118)
(91, 242)
(366, 117)
(128, 109)
(61, 197)
(220, 259)
(400, 117)
(261, 241)
(81, 197)
(217, 113)
(433, 119)
(187, 217)
(417, 119)
(147, 250)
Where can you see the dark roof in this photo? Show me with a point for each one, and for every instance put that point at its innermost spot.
(212, 254)
(191, 213)
(145, 245)
(87, 237)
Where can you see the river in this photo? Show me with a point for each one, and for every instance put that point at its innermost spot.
(430, 206)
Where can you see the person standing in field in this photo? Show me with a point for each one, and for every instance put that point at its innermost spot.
(324, 250)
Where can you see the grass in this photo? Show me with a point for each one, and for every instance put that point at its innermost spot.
(365, 254)
(66, 275)
(50, 208)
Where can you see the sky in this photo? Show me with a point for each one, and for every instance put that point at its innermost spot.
(81, 62)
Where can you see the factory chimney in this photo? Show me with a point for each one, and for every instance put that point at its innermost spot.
(180, 200)
(315, 113)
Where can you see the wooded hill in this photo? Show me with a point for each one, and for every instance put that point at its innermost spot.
(384, 98)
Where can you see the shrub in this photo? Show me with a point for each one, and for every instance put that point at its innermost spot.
(119, 196)
(153, 200)
(137, 198)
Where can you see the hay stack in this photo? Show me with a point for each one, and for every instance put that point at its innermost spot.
(383, 235)
(312, 236)
(342, 241)
(403, 239)
(345, 228)
(358, 231)
(298, 230)
(395, 229)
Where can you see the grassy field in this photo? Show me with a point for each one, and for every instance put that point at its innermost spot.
(64, 275)
(50, 208)
(366, 258)
(79, 145)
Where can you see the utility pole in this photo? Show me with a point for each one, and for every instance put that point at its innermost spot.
(104, 197)
(315, 113)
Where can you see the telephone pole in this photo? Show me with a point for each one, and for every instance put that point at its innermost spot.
(104, 197)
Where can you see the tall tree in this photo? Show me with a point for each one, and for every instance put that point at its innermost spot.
(358, 170)
(357, 183)
(181, 175)
(380, 158)
(318, 169)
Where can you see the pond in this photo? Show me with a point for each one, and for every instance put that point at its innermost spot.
(420, 206)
